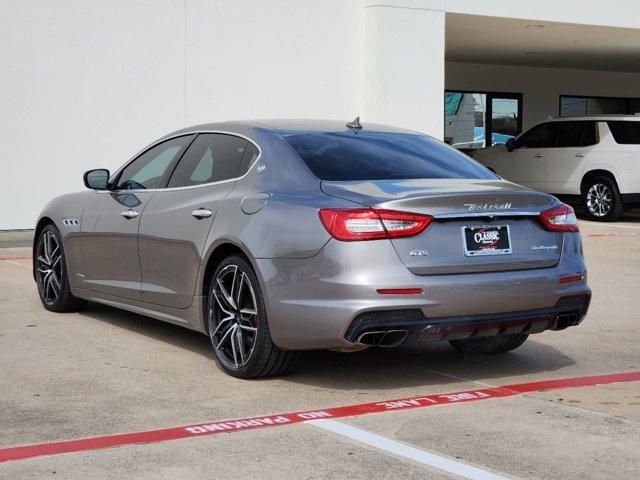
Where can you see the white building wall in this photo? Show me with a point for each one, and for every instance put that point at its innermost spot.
(87, 83)
(541, 87)
(82, 84)
(263, 59)
(404, 64)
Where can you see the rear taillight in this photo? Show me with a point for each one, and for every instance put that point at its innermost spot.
(371, 224)
(559, 219)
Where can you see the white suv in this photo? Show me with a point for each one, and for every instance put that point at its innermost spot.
(594, 159)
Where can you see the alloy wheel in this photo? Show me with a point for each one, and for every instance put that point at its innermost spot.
(599, 200)
(49, 267)
(233, 317)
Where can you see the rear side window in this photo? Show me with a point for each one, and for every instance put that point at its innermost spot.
(250, 155)
(625, 132)
(345, 156)
(576, 134)
(212, 157)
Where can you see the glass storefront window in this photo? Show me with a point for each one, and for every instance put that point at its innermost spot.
(477, 119)
(504, 120)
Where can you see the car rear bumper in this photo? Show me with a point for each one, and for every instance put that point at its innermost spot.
(391, 328)
(313, 303)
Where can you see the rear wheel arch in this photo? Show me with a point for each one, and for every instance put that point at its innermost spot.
(591, 174)
(217, 255)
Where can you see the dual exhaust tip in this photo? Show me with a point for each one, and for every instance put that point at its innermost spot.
(565, 320)
(383, 338)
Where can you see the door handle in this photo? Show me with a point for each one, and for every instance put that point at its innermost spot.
(201, 213)
(129, 214)
(539, 155)
(581, 155)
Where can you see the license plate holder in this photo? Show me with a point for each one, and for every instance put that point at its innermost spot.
(482, 240)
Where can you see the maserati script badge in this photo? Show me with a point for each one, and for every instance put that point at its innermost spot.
(488, 206)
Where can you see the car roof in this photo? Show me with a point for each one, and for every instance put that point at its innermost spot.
(595, 117)
(290, 126)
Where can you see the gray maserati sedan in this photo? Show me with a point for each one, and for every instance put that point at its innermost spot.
(274, 237)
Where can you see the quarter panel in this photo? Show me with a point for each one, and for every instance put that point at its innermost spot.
(284, 197)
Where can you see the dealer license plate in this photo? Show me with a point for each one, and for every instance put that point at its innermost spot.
(486, 240)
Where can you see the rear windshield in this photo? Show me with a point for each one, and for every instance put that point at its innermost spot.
(625, 132)
(344, 156)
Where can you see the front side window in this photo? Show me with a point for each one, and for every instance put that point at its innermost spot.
(345, 156)
(625, 132)
(150, 169)
(212, 157)
(540, 136)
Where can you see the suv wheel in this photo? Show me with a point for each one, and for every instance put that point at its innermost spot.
(238, 327)
(601, 200)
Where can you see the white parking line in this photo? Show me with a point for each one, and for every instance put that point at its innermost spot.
(16, 263)
(441, 463)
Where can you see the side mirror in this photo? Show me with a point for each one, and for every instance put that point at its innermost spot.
(97, 179)
(511, 144)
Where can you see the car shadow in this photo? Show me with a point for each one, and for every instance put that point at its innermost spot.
(421, 365)
(373, 369)
(150, 327)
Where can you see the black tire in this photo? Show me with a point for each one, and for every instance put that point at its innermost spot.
(601, 200)
(264, 359)
(55, 296)
(489, 345)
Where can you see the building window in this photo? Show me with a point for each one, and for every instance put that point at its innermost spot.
(481, 119)
(571, 105)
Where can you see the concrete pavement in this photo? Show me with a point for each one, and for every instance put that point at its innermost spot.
(104, 371)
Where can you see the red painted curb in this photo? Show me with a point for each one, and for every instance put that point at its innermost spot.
(15, 258)
(228, 426)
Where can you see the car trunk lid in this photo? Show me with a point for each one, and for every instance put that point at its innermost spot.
(464, 211)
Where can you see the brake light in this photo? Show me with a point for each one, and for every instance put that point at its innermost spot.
(559, 219)
(351, 224)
